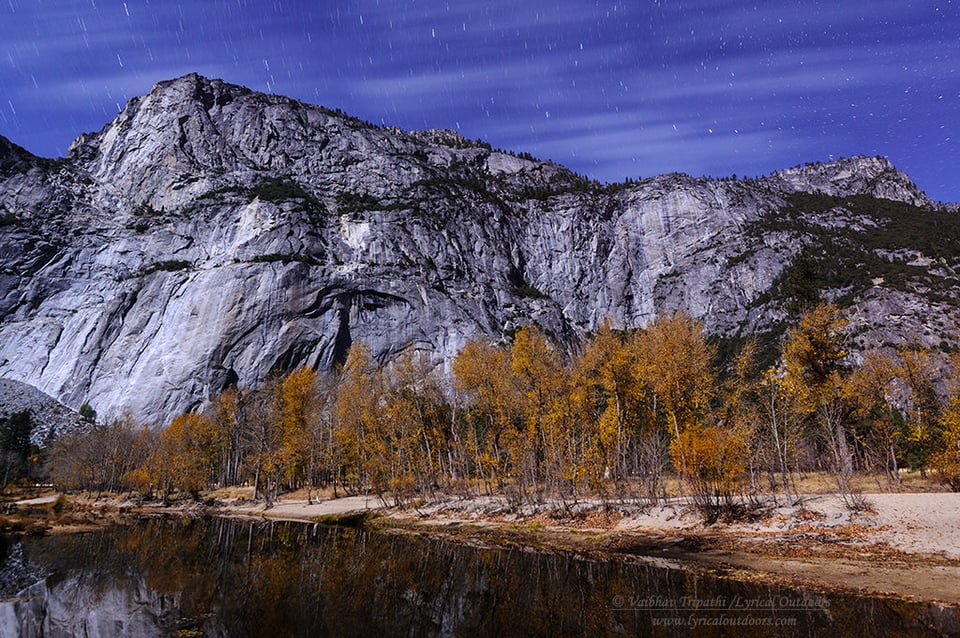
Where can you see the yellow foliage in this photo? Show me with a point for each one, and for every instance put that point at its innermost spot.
(674, 361)
(358, 435)
(713, 459)
(538, 373)
(481, 371)
(947, 459)
(139, 480)
(812, 354)
(187, 454)
(295, 398)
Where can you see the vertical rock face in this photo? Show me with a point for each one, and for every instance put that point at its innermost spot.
(210, 235)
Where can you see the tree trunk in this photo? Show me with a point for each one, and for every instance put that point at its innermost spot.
(843, 447)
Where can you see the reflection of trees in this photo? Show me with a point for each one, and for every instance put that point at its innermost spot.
(243, 578)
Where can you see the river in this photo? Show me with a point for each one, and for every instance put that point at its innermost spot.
(229, 577)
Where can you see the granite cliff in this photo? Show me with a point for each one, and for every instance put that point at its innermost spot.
(210, 234)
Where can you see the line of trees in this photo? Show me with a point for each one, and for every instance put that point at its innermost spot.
(19, 456)
(632, 409)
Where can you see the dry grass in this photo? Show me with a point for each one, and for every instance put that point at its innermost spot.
(812, 483)
(233, 493)
(245, 493)
(824, 483)
(301, 494)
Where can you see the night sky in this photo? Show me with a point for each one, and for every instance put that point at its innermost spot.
(609, 89)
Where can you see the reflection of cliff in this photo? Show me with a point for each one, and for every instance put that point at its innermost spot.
(59, 587)
(73, 608)
(240, 578)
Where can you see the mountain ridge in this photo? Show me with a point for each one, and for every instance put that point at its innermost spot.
(210, 234)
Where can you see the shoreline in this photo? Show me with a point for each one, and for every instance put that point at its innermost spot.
(907, 547)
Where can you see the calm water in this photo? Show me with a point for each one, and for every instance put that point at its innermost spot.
(224, 577)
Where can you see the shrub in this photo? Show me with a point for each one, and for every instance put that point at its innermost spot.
(88, 413)
(947, 459)
(172, 265)
(712, 460)
(278, 189)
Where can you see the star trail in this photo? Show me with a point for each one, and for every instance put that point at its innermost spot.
(610, 89)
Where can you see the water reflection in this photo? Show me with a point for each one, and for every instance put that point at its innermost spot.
(223, 577)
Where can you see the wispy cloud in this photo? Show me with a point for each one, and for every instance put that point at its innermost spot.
(613, 89)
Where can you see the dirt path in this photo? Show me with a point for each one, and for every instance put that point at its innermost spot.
(40, 500)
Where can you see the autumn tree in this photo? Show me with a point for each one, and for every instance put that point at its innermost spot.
(946, 459)
(140, 477)
(525, 421)
(482, 375)
(101, 459)
(712, 459)
(674, 362)
(917, 374)
(296, 406)
(188, 456)
(70, 462)
(539, 375)
(263, 439)
(783, 420)
(612, 404)
(814, 379)
(738, 416)
(323, 426)
(872, 388)
(418, 426)
(361, 452)
(225, 415)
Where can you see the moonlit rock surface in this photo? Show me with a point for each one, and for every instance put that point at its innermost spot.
(210, 235)
(50, 418)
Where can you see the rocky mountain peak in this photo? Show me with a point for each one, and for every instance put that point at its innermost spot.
(177, 129)
(192, 135)
(857, 175)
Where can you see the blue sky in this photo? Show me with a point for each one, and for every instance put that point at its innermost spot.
(609, 89)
